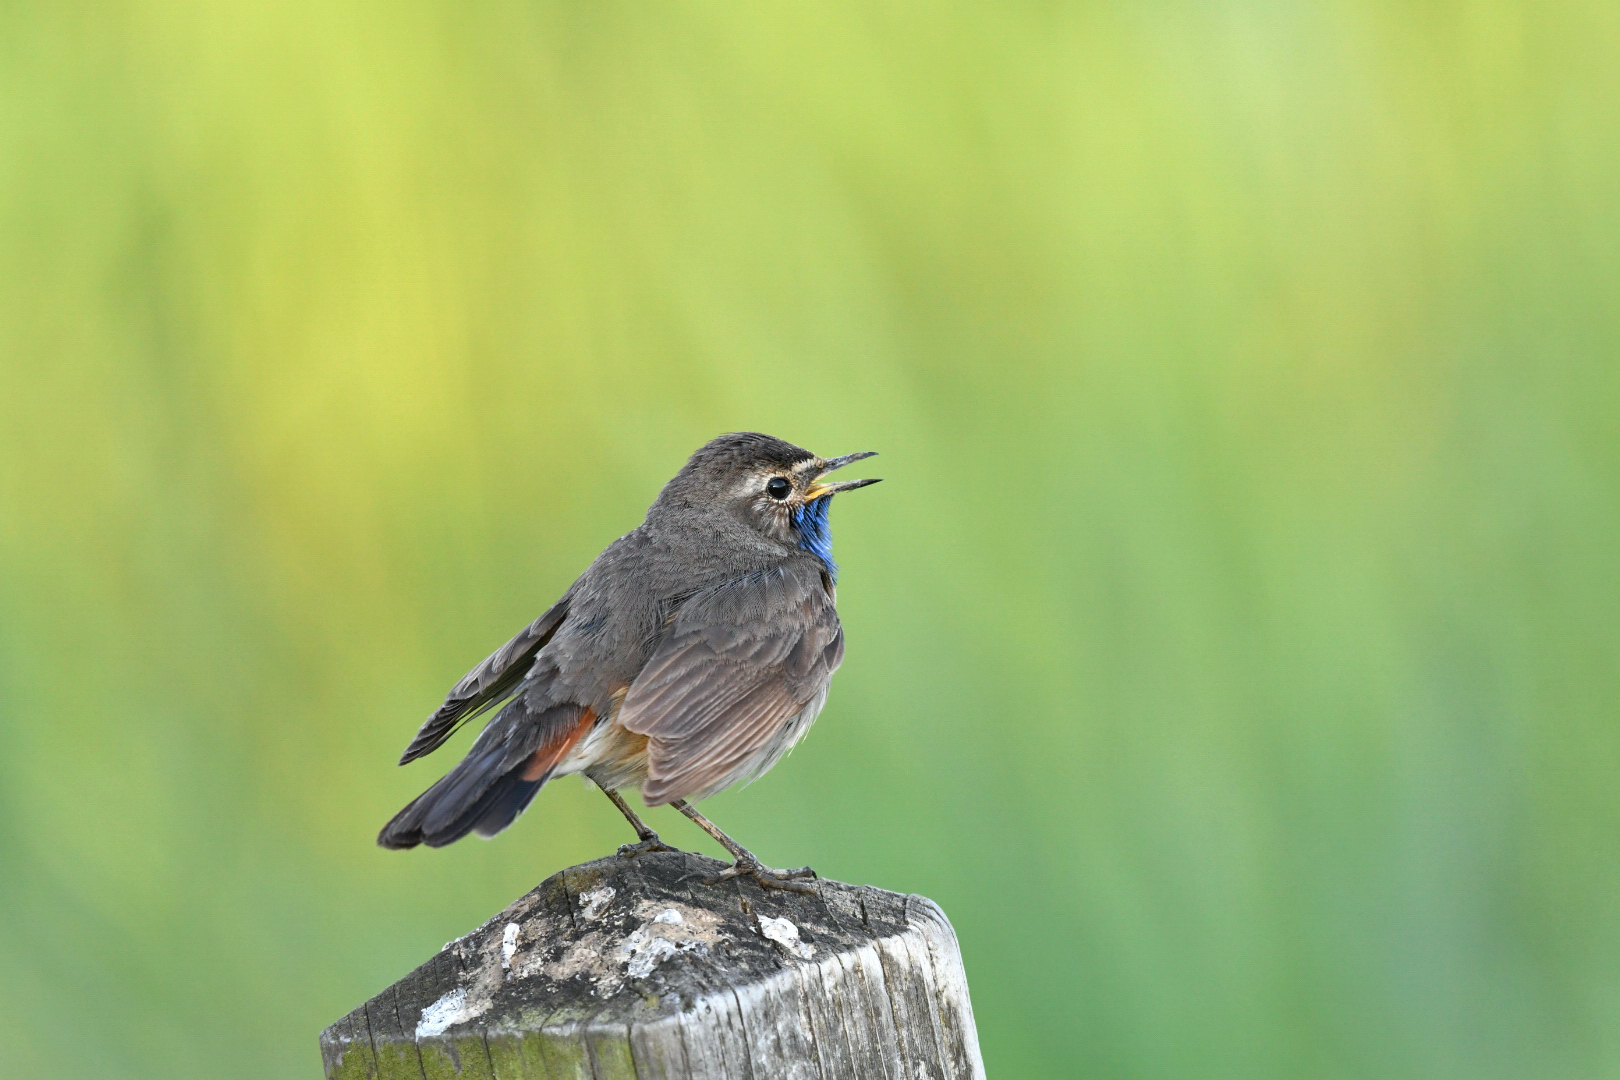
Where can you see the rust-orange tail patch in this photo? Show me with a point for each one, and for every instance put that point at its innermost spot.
(546, 758)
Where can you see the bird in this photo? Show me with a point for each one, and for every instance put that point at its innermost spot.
(690, 657)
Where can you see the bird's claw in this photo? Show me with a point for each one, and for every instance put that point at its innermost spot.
(768, 878)
(645, 847)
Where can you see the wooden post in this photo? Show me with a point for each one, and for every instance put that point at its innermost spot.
(633, 969)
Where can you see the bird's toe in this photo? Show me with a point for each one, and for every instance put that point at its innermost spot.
(767, 877)
(645, 847)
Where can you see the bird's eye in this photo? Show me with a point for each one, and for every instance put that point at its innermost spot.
(778, 488)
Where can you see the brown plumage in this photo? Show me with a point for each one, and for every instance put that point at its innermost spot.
(691, 655)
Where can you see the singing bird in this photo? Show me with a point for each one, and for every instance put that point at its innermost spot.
(691, 655)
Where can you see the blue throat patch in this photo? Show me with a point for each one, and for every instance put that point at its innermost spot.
(815, 534)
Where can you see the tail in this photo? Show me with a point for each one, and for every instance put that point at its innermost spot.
(495, 782)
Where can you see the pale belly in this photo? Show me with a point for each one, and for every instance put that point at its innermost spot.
(612, 757)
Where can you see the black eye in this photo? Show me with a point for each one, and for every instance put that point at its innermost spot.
(778, 488)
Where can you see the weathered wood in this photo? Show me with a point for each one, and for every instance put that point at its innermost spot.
(633, 969)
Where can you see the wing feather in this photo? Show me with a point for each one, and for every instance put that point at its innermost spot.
(488, 684)
(737, 665)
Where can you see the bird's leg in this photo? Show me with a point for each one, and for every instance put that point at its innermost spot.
(747, 862)
(649, 839)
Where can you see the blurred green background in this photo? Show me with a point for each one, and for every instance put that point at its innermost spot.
(1232, 650)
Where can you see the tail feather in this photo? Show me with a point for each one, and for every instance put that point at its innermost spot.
(496, 806)
(494, 783)
(504, 803)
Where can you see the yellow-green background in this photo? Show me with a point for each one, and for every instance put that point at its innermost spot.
(1232, 649)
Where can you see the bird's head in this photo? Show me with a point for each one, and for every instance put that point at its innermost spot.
(773, 487)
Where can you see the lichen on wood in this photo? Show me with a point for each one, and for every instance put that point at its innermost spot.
(633, 968)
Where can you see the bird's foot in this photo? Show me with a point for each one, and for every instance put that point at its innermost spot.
(648, 845)
(768, 878)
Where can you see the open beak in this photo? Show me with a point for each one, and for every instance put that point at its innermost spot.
(818, 489)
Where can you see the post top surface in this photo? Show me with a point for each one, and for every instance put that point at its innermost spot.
(624, 941)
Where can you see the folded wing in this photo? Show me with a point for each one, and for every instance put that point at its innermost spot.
(736, 668)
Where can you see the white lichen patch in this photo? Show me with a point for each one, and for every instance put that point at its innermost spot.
(642, 952)
(665, 934)
(509, 943)
(592, 902)
(454, 1008)
(695, 922)
(786, 934)
(605, 958)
